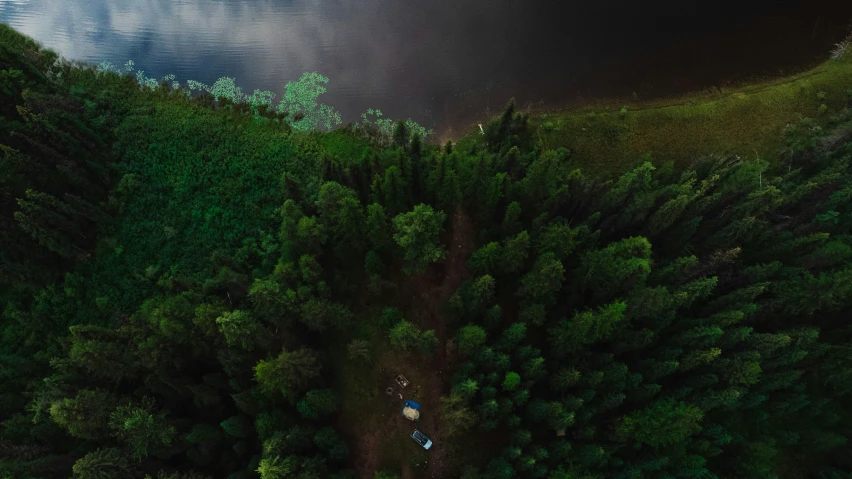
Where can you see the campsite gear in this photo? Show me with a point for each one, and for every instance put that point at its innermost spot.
(411, 411)
(400, 379)
(421, 439)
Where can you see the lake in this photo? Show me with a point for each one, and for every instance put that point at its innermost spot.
(445, 63)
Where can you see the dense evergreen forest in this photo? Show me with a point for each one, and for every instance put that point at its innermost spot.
(186, 279)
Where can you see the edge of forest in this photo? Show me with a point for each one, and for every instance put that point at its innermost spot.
(749, 120)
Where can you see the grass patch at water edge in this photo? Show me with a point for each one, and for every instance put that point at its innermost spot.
(748, 120)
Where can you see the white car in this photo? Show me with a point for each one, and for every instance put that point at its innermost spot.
(421, 439)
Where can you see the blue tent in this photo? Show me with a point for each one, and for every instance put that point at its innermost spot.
(411, 411)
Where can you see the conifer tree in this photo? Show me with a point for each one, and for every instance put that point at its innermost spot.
(416, 232)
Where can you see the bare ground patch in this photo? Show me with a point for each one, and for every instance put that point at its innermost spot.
(427, 295)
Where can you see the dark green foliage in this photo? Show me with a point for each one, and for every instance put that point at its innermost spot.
(542, 283)
(621, 265)
(103, 464)
(87, 415)
(287, 373)
(470, 338)
(457, 416)
(239, 329)
(586, 328)
(358, 350)
(320, 315)
(327, 439)
(486, 260)
(404, 335)
(564, 379)
(379, 230)
(204, 434)
(511, 381)
(140, 429)
(662, 423)
(237, 426)
(416, 232)
(512, 219)
(515, 252)
(317, 403)
(514, 334)
(427, 343)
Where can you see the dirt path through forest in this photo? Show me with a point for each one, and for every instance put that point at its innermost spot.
(429, 292)
(423, 297)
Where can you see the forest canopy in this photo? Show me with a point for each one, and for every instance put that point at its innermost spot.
(198, 286)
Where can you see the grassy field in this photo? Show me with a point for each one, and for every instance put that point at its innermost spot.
(748, 120)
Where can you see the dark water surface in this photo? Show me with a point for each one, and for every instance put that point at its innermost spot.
(445, 63)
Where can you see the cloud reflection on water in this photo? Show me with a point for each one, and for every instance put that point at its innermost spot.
(437, 61)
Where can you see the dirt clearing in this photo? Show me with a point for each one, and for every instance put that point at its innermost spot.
(376, 428)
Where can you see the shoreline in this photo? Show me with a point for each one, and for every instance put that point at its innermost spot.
(740, 117)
